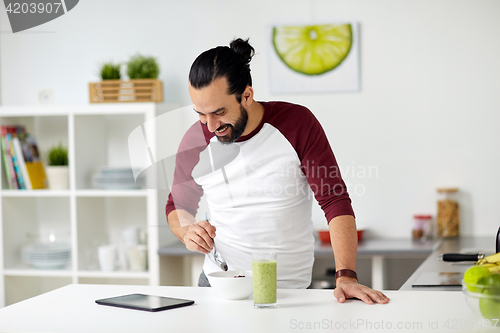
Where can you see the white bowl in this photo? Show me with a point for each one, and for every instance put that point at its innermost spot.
(228, 286)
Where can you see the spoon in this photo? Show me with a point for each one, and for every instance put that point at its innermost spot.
(217, 257)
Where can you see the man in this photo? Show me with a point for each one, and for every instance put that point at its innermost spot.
(259, 163)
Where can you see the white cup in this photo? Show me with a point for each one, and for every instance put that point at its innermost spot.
(107, 257)
(138, 258)
(131, 236)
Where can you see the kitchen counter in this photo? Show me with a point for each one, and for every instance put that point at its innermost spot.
(452, 245)
(379, 249)
(385, 247)
(374, 249)
(72, 309)
(368, 247)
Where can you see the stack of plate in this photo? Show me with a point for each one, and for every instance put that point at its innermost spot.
(46, 256)
(113, 178)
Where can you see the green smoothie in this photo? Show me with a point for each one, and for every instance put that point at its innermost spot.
(264, 282)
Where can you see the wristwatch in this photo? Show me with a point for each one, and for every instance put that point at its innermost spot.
(346, 272)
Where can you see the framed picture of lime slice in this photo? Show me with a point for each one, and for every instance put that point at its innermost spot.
(314, 58)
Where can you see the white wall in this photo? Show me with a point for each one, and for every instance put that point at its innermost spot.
(426, 115)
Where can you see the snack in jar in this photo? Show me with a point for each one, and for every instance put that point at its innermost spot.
(448, 215)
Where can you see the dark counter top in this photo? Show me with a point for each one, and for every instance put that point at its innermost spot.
(385, 247)
(454, 245)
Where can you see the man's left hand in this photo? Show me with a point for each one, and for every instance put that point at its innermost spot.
(350, 288)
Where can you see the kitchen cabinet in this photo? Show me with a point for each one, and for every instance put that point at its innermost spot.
(83, 216)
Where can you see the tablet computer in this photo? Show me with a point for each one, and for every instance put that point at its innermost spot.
(145, 302)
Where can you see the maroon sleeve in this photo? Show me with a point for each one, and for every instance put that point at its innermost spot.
(185, 192)
(318, 162)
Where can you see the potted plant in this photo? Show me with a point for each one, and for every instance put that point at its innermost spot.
(57, 169)
(143, 84)
(110, 71)
(141, 67)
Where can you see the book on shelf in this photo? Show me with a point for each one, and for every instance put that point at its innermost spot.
(33, 162)
(23, 166)
(15, 162)
(8, 166)
(7, 157)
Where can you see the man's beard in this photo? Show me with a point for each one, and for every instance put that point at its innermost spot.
(236, 130)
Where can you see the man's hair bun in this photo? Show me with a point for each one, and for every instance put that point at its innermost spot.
(243, 49)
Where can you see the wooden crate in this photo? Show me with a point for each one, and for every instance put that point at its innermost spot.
(137, 90)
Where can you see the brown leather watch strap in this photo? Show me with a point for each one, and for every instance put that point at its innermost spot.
(346, 272)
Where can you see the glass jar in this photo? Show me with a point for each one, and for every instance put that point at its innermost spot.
(422, 227)
(448, 216)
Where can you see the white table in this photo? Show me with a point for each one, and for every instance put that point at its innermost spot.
(72, 309)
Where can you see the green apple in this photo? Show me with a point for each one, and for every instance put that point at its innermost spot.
(475, 277)
(490, 304)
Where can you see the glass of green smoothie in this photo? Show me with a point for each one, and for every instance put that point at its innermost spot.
(264, 279)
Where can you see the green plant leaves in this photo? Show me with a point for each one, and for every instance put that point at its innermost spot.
(110, 71)
(141, 67)
(57, 155)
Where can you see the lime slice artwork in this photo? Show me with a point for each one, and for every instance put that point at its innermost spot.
(312, 49)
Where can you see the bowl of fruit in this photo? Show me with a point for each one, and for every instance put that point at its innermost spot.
(481, 287)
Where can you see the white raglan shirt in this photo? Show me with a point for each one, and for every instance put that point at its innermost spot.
(260, 188)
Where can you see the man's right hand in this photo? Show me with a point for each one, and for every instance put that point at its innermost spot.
(199, 237)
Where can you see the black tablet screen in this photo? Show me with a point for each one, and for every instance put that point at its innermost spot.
(145, 302)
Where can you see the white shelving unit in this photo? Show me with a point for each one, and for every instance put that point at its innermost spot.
(96, 136)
